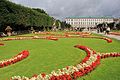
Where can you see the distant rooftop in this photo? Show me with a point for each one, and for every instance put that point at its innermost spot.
(85, 17)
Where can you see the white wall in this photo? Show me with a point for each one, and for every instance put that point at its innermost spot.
(87, 22)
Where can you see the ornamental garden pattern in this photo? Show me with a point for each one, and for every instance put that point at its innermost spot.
(88, 64)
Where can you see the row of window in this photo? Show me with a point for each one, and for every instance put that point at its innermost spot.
(88, 23)
(83, 25)
(89, 19)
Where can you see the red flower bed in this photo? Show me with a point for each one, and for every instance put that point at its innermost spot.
(115, 33)
(89, 63)
(15, 59)
(51, 38)
(106, 55)
(30, 38)
(87, 51)
(104, 38)
(108, 40)
(87, 69)
(56, 36)
(1, 44)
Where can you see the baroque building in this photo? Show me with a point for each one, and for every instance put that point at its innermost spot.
(87, 21)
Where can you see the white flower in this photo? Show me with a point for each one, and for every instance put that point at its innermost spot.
(79, 66)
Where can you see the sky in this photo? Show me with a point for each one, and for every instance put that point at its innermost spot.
(60, 9)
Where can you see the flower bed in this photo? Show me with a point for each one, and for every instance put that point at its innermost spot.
(56, 36)
(24, 54)
(1, 44)
(97, 37)
(78, 33)
(29, 38)
(115, 33)
(89, 63)
(107, 55)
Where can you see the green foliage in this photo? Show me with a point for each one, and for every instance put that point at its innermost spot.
(14, 15)
(118, 26)
(65, 25)
(40, 10)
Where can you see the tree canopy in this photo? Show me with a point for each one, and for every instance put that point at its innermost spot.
(19, 16)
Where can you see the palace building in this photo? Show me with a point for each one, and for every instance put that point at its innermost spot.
(87, 21)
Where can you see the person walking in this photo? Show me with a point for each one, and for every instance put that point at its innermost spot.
(107, 30)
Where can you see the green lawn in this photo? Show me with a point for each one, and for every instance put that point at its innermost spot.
(48, 55)
(115, 30)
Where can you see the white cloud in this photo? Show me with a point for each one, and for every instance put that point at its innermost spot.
(63, 8)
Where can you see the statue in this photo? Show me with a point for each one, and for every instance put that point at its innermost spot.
(59, 27)
(32, 29)
(54, 26)
(8, 30)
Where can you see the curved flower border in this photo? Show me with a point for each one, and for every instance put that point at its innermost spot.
(107, 55)
(89, 63)
(56, 36)
(30, 38)
(22, 55)
(104, 38)
(115, 33)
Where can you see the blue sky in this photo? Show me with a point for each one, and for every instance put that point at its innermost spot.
(64, 8)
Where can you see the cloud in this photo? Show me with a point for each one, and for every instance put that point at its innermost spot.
(63, 8)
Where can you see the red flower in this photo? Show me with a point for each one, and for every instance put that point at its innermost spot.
(55, 39)
(67, 67)
(35, 75)
(1, 65)
(43, 75)
(1, 44)
(108, 40)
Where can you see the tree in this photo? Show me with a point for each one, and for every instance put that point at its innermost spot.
(20, 17)
(40, 10)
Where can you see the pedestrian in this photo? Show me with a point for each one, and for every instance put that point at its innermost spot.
(98, 30)
(107, 30)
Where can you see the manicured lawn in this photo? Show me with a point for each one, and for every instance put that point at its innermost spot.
(48, 55)
(115, 30)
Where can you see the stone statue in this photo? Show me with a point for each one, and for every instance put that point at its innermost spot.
(8, 30)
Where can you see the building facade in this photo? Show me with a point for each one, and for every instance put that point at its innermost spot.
(87, 21)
